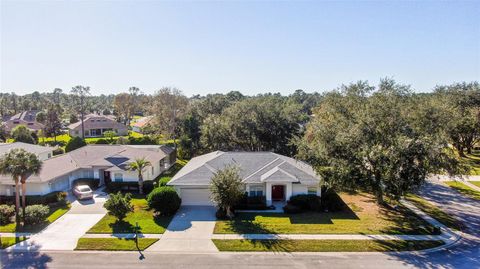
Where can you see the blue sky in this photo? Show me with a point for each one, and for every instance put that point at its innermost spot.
(253, 47)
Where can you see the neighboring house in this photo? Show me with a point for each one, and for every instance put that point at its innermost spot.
(266, 174)
(96, 125)
(27, 118)
(102, 162)
(43, 153)
(139, 125)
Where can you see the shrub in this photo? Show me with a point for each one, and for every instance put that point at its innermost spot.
(6, 214)
(102, 141)
(221, 214)
(118, 205)
(307, 202)
(122, 186)
(163, 181)
(144, 140)
(122, 140)
(58, 151)
(35, 214)
(148, 186)
(291, 209)
(164, 200)
(74, 144)
(252, 203)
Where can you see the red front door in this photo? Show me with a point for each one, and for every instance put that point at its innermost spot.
(278, 192)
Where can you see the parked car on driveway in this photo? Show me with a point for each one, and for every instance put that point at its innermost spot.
(83, 192)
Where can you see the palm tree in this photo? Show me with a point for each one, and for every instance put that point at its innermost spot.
(138, 165)
(20, 164)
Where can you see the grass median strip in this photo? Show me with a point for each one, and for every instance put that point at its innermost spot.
(435, 212)
(464, 189)
(6, 242)
(324, 245)
(114, 244)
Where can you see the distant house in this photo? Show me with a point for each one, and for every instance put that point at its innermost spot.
(27, 118)
(140, 125)
(96, 125)
(104, 163)
(43, 153)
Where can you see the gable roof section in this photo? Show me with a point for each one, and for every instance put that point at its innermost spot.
(96, 121)
(255, 167)
(36, 149)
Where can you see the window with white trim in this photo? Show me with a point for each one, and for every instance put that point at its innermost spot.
(255, 191)
(118, 177)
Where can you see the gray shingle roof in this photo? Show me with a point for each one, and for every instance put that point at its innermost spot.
(36, 149)
(113, 157)
(255, 167)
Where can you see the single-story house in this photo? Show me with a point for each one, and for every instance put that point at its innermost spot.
(43, 153)
(266, 174)
(96, 125)
(140, 124)
(101, 162)
(26, 118)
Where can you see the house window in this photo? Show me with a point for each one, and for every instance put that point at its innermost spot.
(256, 191)
(118, 177)
(49, 155)
(312, 190)
(16, 122)
(76, 132)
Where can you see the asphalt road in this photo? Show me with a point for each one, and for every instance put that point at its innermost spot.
(465, 254)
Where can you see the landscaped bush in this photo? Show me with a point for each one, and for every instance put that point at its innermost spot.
(221, 214)
(252, 203)
(35, 214)
(74, 144)
(102, 141)
(306, 202)
(118, 205)
(58, 151)
(33, 199)
(144, 140)
(164, 180)
(91, 182)
(6, 214)
(164, 200)
(148, 186)
(122, 186)
(291, 209)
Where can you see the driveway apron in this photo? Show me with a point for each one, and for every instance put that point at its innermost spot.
(190, 230)
(64, 233)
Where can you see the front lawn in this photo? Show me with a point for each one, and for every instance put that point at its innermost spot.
(114, 244)
(324, 245)
(464, 189)
(363, 216)
(147, 221)
(435, 212)
(476, 183)
(6, 242)
(55, 213)
(472, 161)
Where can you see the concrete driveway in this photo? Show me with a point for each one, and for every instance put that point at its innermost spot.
(64, 233)
(189, 231)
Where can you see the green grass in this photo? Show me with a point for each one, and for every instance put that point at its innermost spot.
(472, 161)
(55, 213)
(114, 244)
(6, 242)
(324, 245)
(476, 183)
(148, 222)
(464, 189)
(435, 212)
(366, 217)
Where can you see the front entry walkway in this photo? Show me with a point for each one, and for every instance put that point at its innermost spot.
(189, 231)
(64, 233)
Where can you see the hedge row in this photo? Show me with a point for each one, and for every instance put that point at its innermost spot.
(33, 199)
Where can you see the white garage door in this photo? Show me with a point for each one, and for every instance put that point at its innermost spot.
(195, 196)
